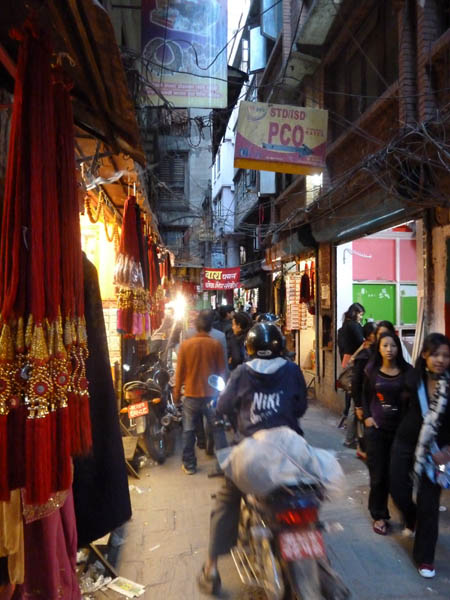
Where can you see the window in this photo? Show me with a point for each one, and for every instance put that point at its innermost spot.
(361, 71)
(250, 178)
(172, 171)
(173, 238)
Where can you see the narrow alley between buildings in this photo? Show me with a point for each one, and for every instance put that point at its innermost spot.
(166, 540)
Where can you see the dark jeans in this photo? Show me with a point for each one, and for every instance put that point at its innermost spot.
(348, 399)
(423, 516)
(350, 435)
(224, 519)
(195, 409)
(378, 448)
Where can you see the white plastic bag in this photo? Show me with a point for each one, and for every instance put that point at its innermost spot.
(279, 456)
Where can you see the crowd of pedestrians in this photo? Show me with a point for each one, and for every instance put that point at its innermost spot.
(398, 418)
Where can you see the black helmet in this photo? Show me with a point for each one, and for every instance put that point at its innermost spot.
(267, 318)
(264, 340)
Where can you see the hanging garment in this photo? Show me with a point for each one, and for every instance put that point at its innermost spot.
(50, 557)
(42, 330)
(305, 286)
(100, 486)
(11, 540)
(133, 299)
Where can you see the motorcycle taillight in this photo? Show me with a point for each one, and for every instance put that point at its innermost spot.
(297, 517)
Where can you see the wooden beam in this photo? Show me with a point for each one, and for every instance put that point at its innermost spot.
(7, 62)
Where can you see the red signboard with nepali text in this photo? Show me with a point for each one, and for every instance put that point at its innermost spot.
(221, 279)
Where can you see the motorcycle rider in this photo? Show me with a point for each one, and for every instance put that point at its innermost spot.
(268, 391)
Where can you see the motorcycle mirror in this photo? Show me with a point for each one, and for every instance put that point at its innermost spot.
(217, 382)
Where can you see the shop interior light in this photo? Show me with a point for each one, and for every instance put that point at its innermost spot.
(179, 306)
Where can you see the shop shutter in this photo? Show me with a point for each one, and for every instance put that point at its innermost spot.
(172, 173)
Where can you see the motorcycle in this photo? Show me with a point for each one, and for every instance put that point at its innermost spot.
(280, 548)
(152, 394)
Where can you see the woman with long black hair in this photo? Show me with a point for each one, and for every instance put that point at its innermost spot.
(350, 337)
(422, 442)
(382, 410)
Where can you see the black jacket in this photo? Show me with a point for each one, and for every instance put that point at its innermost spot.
(263, 400)
(352, 336)
(359, 364)
(236, 350)
(409, 428)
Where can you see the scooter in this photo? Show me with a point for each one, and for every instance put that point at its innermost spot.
(280, 548)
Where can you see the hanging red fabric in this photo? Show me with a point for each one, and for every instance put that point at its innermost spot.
(42, 337)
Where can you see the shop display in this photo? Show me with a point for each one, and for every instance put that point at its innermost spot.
(51, 541)
(133, 299)
(100, 484)
(44, 407)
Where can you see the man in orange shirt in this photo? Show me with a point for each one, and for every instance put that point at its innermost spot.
(199, 357)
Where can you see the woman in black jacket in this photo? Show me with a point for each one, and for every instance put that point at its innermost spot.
(382, 409)
(241, 323)
(350, 338)
(421, 443)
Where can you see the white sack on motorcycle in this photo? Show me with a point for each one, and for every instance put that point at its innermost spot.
(279, 456)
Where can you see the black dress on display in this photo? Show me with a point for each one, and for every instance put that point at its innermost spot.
(100, 486)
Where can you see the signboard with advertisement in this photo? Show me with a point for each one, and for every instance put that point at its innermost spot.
(285, 139)
(221, 279)
(184, 52)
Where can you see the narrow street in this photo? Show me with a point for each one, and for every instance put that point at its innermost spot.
(167, 538)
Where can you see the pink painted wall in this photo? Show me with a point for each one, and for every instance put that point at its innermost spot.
(382, 264)
(408, 260)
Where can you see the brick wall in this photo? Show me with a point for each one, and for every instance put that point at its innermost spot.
(427, 33)
(407, 63)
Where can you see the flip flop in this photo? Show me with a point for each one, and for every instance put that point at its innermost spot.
(380, 529)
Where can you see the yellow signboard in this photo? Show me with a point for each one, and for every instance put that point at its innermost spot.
(286, 139)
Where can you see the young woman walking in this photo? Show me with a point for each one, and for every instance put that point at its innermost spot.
(350, 337)
(382, 411)
(421, 443)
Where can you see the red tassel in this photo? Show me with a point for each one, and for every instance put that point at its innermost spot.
(85, 423)
(4, 485)
(53, 450)
(64, 464)
(74, 416)
(37, 460)
(16, 446)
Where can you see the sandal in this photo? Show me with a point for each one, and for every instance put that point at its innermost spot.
(380, 527)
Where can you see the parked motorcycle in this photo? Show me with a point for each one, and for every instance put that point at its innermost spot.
(152, 393)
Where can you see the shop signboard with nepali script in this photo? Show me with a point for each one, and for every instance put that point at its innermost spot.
(285, 139)
(221, 279)
(184, 54)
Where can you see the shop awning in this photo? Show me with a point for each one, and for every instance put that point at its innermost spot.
(296, 243)
(82, 29)
(370, 213)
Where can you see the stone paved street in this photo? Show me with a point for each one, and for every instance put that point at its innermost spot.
(167, 537)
